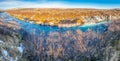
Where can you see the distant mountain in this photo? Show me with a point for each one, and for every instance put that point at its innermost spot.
(117, 9)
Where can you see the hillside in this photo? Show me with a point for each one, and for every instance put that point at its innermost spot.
(64, 17)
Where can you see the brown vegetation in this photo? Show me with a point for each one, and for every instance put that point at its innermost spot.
(75, 45)
(60, 16)
(10, 24)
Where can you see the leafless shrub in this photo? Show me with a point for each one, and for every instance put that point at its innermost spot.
(72, 45)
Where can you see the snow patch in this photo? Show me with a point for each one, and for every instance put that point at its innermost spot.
(5, 53)
(20, 48)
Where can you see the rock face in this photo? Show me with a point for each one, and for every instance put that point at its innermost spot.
(11, 48)
(21, 42)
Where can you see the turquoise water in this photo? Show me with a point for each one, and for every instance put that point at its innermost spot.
(30, 28)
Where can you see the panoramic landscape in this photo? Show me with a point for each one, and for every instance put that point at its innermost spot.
(40, 32)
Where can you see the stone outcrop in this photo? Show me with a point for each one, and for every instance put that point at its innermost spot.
(11, 48)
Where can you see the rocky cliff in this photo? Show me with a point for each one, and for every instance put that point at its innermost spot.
(11, 48)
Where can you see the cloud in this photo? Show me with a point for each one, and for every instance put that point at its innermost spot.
(44, 4)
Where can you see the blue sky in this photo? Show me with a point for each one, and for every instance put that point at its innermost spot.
(8, 4)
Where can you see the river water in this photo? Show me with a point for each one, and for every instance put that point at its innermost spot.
(29, 27)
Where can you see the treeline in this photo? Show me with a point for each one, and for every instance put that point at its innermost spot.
(74, 45)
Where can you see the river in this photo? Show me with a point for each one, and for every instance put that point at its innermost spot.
(30, 27)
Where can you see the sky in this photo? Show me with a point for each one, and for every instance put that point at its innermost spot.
(100, 4)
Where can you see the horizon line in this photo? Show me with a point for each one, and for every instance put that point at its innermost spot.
(56, 8)
(21, 4)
